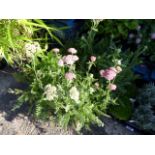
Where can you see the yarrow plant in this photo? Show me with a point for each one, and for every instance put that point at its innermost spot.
(73, 86)
(57, 90)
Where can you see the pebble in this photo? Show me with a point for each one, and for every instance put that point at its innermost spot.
(130, 128)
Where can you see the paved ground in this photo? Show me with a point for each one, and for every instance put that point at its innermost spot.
(18, 123)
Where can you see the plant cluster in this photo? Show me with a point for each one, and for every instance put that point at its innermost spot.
(59, 92)
(76, 86)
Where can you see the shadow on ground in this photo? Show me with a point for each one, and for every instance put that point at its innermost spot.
(17, 122)
(7, 100)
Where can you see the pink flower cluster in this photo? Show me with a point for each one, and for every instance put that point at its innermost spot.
(70, 76)
(69, 59)
(109, 73)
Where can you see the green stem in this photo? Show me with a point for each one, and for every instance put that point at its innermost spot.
(34, 67)
(107, 98)
(90, 66)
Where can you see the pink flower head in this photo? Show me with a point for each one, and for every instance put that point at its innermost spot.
(75, 57)
(56, 50)
(93, 58)
(70, 59)
(109, 74)
(61, 62)
(72, 50)
(112, 87)
(70, 76)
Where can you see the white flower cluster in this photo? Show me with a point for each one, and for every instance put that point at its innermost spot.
(74, 94)
(50, 92)
(31, 48)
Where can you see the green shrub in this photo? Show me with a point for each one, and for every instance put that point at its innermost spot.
(144, 115)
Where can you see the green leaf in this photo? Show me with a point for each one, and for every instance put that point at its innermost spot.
(65, 120)
(123, 110)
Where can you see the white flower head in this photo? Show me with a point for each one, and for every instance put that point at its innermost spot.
(74, 94)
(50, 92)
(31, 48)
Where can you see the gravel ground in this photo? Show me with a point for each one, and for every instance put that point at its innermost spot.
(18, 123)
